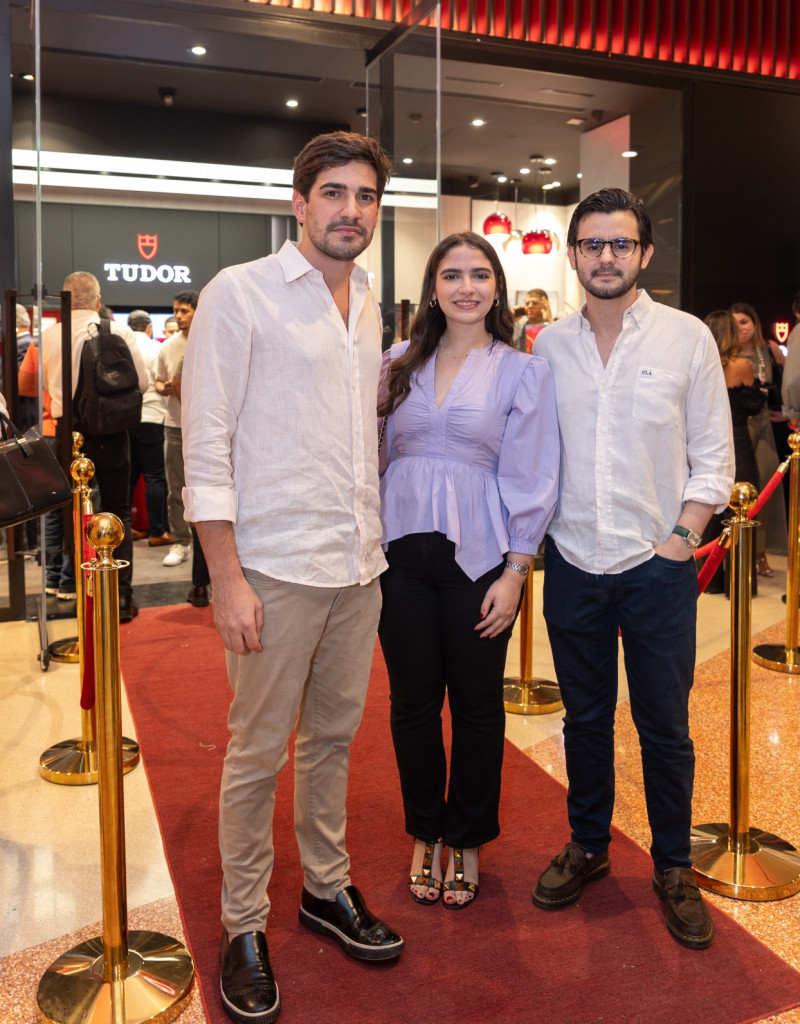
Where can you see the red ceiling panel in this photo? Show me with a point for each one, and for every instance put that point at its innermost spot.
(760, 37)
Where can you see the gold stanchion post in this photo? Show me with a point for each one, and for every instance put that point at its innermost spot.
(123, 977)
(68, 649)
(73, 762)
(786, 657)
(526, 695)
(735, 859)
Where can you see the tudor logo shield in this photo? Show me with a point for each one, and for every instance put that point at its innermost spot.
(147, 246)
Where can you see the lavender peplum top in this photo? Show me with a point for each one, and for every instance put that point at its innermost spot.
(482, 468)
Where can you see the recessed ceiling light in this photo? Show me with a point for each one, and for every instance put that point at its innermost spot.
(292, 103)
(551, 184)
(550, 161)
(579, 175)
(576, 120)
(28, 78)
(630, 153)
(478, 122)
(524, 170)
(198, 51)
(407, 160)
(501, 178)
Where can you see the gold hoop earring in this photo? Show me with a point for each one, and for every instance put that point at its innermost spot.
(496, 302)
(433, 303)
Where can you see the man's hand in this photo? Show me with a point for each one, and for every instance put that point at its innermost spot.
(675, 548)
(238, 614)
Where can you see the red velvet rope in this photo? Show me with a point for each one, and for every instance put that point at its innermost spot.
(777, 476)
(719, 547)
(87, 688)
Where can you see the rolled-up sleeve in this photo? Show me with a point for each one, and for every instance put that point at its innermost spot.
(528, 466)
(214, 383)
(709, 437)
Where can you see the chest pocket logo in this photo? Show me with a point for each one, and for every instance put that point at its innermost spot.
(658, 397)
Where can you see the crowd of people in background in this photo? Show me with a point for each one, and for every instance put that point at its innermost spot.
(150, 451)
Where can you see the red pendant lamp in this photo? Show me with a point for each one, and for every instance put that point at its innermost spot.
(538, 242)
(497, 227)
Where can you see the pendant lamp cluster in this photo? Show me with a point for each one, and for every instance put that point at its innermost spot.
(498, 227)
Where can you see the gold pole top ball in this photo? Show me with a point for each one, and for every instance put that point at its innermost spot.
(743, 497)
(794, 441)
(104, 532)
(82, 470)
(77, 443)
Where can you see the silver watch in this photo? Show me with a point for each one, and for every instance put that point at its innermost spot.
(519, 567)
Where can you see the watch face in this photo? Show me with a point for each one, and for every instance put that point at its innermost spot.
(693, 539)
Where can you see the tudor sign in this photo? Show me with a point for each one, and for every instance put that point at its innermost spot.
(165, 273)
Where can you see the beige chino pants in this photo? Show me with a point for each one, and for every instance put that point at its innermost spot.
(311, 675)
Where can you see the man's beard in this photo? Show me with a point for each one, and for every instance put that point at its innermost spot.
(608, 288)
(336, 248)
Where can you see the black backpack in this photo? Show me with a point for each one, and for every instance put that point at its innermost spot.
(107, 399)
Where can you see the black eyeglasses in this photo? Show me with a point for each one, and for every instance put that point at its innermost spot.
(591, 248)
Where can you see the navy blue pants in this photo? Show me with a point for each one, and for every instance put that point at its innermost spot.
(655, 607)
(427, 633)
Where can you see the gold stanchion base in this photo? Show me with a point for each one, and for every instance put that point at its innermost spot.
(71, 763)
(532, 697)
(769, 870)
(157, 988)
(66, 650)
(778, 657)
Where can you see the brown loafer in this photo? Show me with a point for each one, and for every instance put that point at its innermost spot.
(562, 883)
(160, 542)
(688, 919)
(139, 534)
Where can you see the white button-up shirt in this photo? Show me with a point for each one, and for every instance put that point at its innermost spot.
(279, 420)
(639, 437)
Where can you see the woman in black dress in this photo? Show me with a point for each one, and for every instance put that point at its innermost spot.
(746, 397)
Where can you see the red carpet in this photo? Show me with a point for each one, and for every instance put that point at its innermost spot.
(608, 959)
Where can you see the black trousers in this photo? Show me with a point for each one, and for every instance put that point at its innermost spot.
(147, 460)
(110, 454)
(427, 632)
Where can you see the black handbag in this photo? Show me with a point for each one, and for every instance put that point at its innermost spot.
(32, 481)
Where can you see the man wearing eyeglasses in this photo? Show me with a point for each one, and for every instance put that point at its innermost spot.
(646, 458)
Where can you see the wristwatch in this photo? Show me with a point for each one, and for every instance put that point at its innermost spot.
(519, 567)
(692, 537)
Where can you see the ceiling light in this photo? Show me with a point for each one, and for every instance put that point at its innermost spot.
(28, 78)
(524, 170)
(552, 184)
(478, 122)
(628, 153)
(407, 160)
(497, 227)
(198, 51)
(579, 175)
(550, 161)
(538, 242)
(575, 120)
(292, 103)
(501, 178)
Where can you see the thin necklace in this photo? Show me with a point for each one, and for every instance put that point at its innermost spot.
(450, 355)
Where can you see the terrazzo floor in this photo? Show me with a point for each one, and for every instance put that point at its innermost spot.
(49, 882)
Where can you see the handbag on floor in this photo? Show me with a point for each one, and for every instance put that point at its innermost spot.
(32, 481)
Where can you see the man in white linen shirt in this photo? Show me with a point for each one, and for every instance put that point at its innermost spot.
(646, 458)
(110, 453)
(279, 430)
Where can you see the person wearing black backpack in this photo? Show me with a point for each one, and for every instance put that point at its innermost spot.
(109, 378)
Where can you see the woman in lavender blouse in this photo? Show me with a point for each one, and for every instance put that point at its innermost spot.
(469, 482)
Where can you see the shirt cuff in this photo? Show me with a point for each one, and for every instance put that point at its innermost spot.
(201, 504)
(522, 545)
(710, 490)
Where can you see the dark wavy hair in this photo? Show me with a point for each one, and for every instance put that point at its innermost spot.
(611, 200)
(333, 149)
(745, 309)
(430, 323)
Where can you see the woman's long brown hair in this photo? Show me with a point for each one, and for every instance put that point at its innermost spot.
(429, 323)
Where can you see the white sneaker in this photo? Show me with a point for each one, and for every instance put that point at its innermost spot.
(177, 553)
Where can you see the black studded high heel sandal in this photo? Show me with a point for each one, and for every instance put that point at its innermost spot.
(426, 879)
(459, 884)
